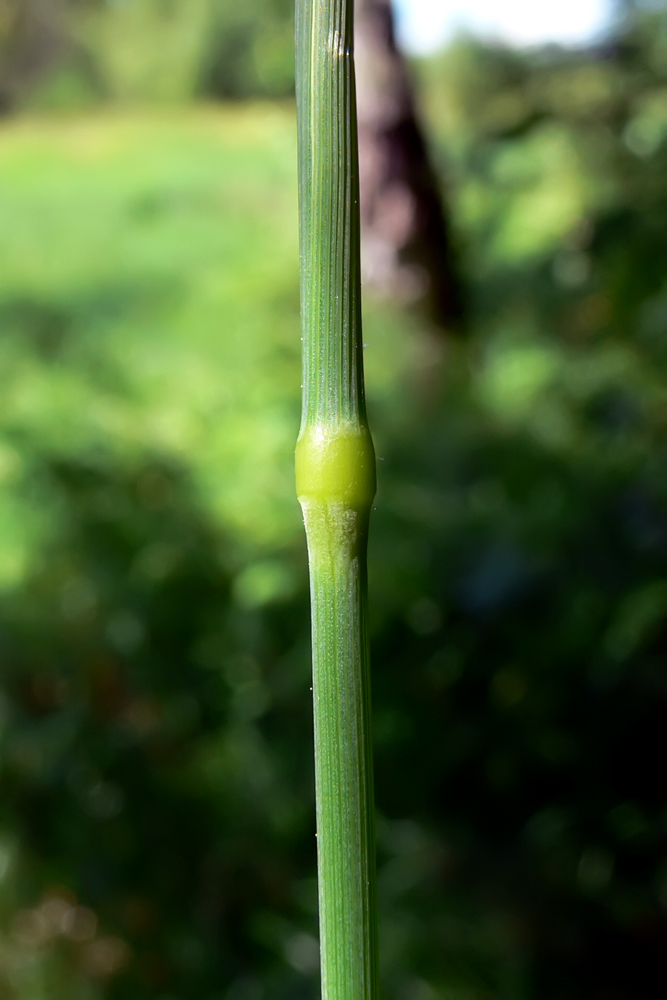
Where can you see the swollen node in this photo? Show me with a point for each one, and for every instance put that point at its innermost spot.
(336, 466)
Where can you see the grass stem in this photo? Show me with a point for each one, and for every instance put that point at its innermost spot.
(335, 473)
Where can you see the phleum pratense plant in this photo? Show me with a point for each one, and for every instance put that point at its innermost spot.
(335, 477)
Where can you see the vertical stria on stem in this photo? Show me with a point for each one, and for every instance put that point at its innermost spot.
(335, 474)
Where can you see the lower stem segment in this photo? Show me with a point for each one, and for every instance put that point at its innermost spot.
(343, 755)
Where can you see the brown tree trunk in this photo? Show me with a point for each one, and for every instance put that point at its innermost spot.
(406, 246)
(31, 40)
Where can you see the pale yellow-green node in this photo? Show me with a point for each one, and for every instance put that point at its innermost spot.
(335, 466)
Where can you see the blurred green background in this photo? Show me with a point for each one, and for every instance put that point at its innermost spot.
(156, 804)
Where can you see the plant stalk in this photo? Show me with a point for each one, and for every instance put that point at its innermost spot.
(335, 475)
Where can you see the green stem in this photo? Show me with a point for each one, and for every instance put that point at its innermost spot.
(335, 472)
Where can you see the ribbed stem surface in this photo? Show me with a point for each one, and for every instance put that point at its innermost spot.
(329, 212)
(335, 485)
(343, 762)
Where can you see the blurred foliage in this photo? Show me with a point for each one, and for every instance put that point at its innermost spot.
(156, 816)
(73, 53)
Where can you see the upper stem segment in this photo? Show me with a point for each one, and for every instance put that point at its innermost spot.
(329, 214)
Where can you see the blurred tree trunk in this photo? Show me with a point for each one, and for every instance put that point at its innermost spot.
(31, 40)
(406, 246)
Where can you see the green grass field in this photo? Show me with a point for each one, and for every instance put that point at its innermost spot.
(149, 301)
